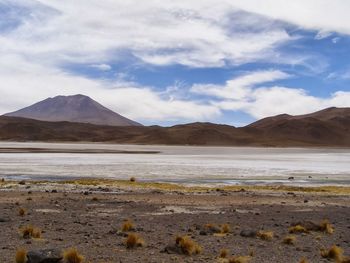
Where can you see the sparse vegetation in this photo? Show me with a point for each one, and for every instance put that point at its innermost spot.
(21, 212)
(188, 246)
(21, 255)
(133, 240)
(218, 229)
(297, 229)
(225, 228)
(132, 179)
(265, 235)
(128, 225)
(289, 240)
(72, 255)
(223, 253)
(334, 252)
(326, 227)
(178, 187)
(30, 232)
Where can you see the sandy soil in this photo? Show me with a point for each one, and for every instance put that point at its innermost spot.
(90, 217)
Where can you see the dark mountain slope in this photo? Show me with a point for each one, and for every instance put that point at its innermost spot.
(77, 108)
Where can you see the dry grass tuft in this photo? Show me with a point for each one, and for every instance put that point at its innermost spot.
(298, 229)
(304, 260)
(265, 235)
(212, 228)
(334, 252)
(325, 226)
(31, 232)
(72, 255)
(188, 246)
(225, 228)
(240, 259)
(289, 240)
(218, 229)
(21, 211)
(21, 256)
(128, 225)
(133, 240)
(223, 253)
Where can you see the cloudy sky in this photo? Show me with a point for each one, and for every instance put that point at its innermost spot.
(175, 61)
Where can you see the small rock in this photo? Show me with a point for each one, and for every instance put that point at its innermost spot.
(248, 233)
(44, 256)
(203, 233)
(4, 220)
(172, 249)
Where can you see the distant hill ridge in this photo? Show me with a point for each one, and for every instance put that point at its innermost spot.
(76, 108)
(329, 127)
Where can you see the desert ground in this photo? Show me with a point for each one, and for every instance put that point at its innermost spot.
(90, 215)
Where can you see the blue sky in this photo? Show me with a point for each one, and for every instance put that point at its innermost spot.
(169, 62)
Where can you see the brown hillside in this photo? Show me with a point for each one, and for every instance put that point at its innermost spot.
(330, 127)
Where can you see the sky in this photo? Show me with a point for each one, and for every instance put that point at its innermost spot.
(166, 62)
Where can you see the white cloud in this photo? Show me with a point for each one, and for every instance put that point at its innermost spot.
(322, 35)
(342, 75)
(33, 83)
(48, 34)
(196, 34)
(239, 88)
(335, 40)
(102, 67)
(323, 15)
(246, 93)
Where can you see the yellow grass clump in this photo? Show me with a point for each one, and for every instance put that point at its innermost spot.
(128, 225)
(188, 246)
(289, 240)
(326, 227)
(240, 259)
(134, 240)
(21, 212)
(334, 252)
(225, 228)
(31, 232)
(298, 229)
(21, 256)
(72, 255)
(218, 229)
(304, 260)
(265, 235)
(223, 253)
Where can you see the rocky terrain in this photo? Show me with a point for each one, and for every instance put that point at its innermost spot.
(91, 218)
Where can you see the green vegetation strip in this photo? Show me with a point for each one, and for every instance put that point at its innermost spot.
(127, 184)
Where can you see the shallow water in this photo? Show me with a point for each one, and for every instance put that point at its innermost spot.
(182, 164)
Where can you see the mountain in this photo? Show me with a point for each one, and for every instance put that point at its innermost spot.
(329, 127)
(77, 108)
